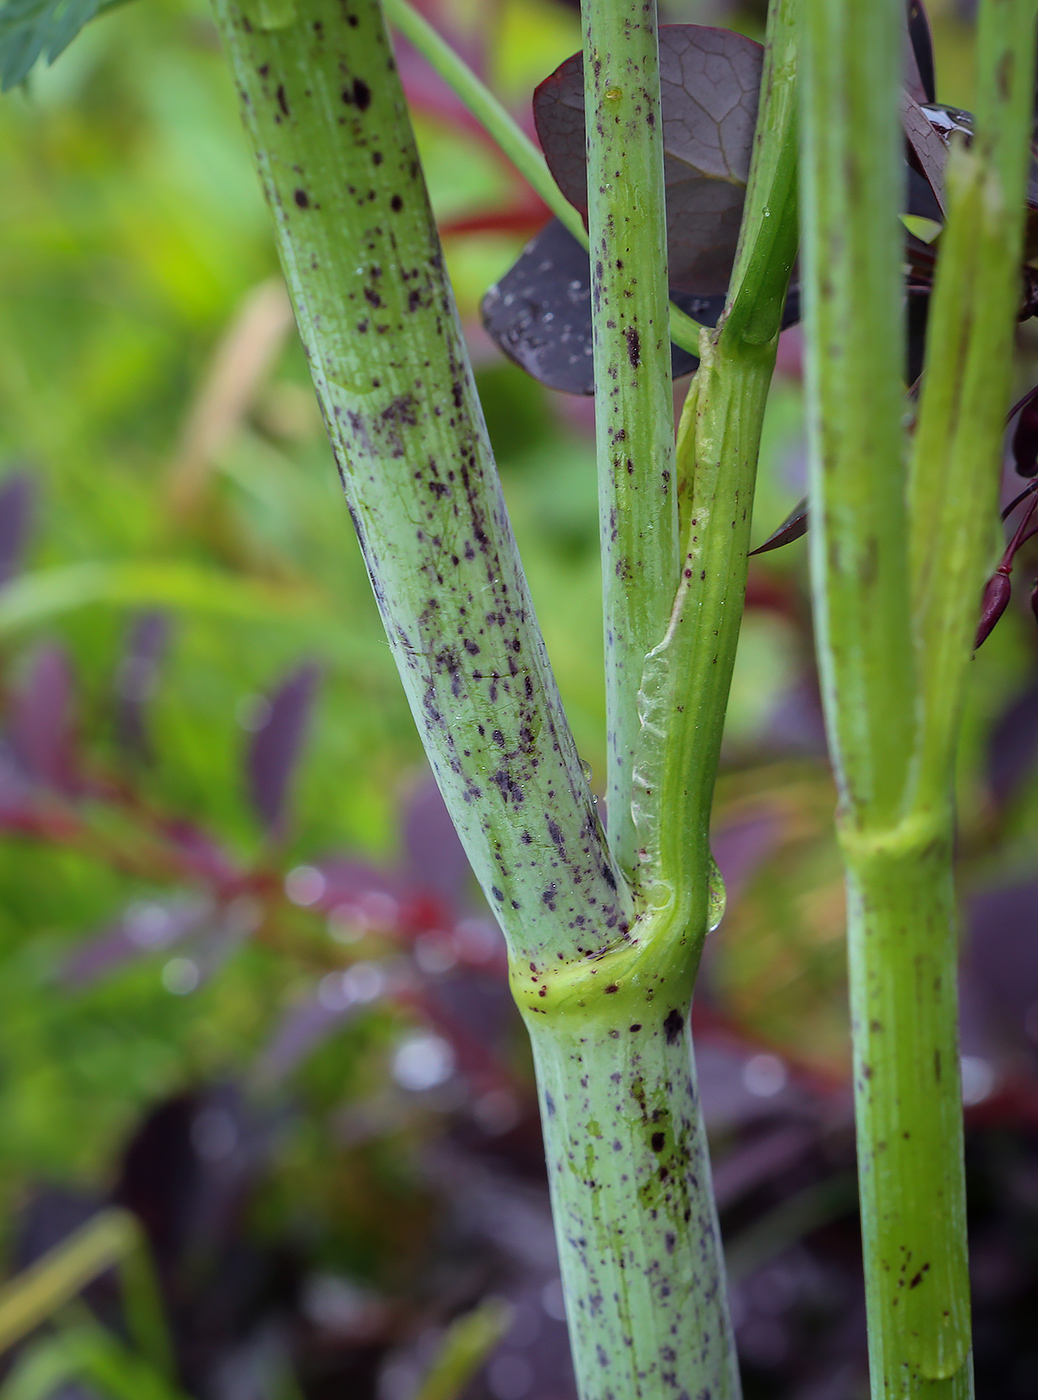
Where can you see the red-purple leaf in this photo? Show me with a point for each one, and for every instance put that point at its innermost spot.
(993, 604)
(710, 83)
(436, 860)
(277, 745)
(794, 527)
(143, 928)
(16, 503)
(42, 720)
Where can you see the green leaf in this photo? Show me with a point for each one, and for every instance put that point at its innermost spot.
(86, 1352)
(34, 29)
(40, 596)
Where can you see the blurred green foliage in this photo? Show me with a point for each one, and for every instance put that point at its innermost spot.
(133, 243)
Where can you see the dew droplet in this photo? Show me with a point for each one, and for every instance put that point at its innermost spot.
(585, 768)
(716, 897)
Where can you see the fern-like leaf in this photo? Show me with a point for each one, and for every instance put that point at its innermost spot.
(34, 29)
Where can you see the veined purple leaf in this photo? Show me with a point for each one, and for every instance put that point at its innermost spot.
(17, 498)
(41, 729)
(928, 129)
(277, 743)
(709, 84)
(540, 313)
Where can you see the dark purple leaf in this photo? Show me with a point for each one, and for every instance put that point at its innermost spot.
(540, 313)
(1013, 746)
(794, 527)
(186, 1175)
(759, 1158)
(919, 69)
(728, 1094)
(41, 728)
(1025, 439)
(373, 894)
(710, 83)
(796, 723)
(276, 746)
(136, 678)
(17, 497)
(993, 604)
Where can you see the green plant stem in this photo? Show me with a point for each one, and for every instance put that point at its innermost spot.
(956, 458)
(896, 601)
(498, 123)
(512, 140)
(687, 674)
(626, 1149)
(634, 405)
(630, 1180)
(901, 957)
(603, 979)
(853, 317)
(324, 111)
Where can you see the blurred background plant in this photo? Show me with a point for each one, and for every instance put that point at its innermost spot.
(249, 997)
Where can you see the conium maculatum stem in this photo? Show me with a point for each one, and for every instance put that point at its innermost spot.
(896, 600)
(629, 1174)
(324, 108)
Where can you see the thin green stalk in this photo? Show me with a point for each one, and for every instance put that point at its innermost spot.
(465, 1345)
(853, 318)
(111, 1239)
(956, 459)
(510, 137)
(634, 405)
(687, 674)
(324, 110)
(485, 107)
(896, 600)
